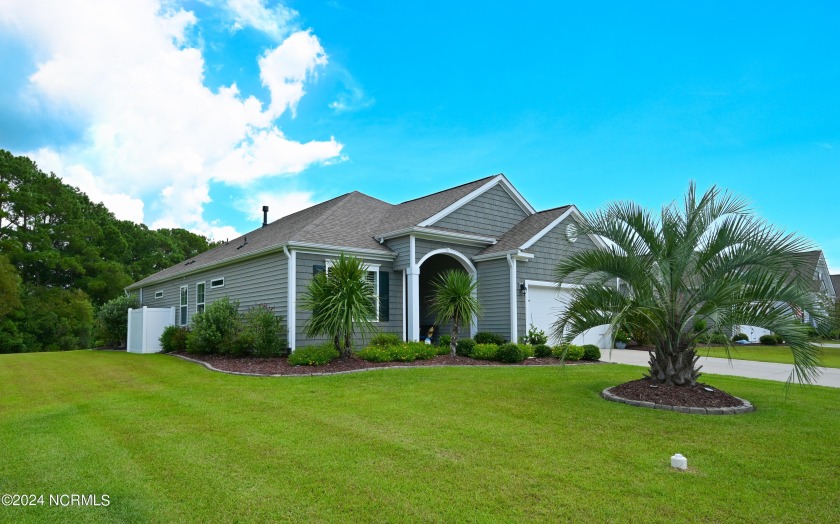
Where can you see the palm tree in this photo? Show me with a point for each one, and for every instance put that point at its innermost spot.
(710, 260)
(341, 301)
(454, 300)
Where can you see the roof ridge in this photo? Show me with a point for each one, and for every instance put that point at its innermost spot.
(551, 209)
(451, 188)
(318, 221)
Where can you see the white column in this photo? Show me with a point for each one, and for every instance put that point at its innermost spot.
(291, 298)
(514, 334)
(413, 277)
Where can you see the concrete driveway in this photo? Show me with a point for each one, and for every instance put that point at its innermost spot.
(720, 366)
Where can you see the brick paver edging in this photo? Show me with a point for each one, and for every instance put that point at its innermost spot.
(745, 407)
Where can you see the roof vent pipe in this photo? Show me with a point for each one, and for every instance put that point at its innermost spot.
(265, 216)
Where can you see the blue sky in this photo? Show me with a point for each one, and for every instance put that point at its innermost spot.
(575, 103)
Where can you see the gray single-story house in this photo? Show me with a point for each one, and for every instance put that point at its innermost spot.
(485, 227)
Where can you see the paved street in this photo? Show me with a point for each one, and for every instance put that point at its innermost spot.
(720, 366)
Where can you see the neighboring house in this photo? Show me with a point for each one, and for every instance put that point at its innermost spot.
(835, 283)
(814, 269)
(485, 227)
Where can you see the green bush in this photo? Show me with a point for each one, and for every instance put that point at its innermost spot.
(510, 353)
(375, 354)
(215, 331)
(264, 334)
(812, 332)
(314, 355)
(443, 350)
(591, 352)
(568, 352)
(113, 319)
(444, 340)
(768, 340)
(536, 336)
(484, 337)
(465, 347)
(718, 338)
(779, 339)
(542, 351)
(385, 340)
(740, 336)
(484, 351)
(174, 338)
(527, 350)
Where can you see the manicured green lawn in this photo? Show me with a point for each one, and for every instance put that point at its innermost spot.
(169, 441)
(830, 356)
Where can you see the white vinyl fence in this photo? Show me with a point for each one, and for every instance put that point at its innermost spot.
(145, 326)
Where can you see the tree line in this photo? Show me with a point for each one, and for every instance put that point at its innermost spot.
(63, 256)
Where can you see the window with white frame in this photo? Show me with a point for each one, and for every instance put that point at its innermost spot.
(158, 294)
(183, 306)
(218, 282)
(372, 278)
(199, 297)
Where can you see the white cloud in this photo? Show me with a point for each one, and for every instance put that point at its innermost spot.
(152, 128)
(276, 22)
(284, 69)
(279, 205)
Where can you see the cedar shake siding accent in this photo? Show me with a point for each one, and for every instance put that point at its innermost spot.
(401, 246)
(306, 263)
(547, 251)
(494, 296)
(490, 214)
(256, 281)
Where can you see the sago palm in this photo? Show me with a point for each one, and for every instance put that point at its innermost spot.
(454, 300)
(342, 301)
(710, 262)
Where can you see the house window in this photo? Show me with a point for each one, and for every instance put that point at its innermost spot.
(183, 314)
(219, 282)
(199, 297)
(372, 278)
(158, 294)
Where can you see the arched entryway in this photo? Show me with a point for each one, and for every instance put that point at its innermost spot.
(429, 267)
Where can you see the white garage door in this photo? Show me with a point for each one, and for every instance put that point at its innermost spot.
(545, 303)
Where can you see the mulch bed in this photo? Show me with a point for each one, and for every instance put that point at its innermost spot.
(689, 396)
(280, 366)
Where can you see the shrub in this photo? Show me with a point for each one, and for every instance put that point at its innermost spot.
(314, 355)
(174, 338)
(574, 352)
(216, 330)
(264, 334)
(542, 351)
(591, 352)
(779, 339)
(484, 351)
(558, 350)
(113, 319)
(374, 354)
(768, 340)
(465, 347)
(445, 341)
(622, 336)
(536, 336)
(443, 350)
(527, 350)
(411, 351)
(740, 336)
(510, 353)
(718, 338)
(423, 351)
(484, 337)
(385, 340)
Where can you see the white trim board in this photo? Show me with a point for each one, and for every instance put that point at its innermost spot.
(574, 213)
(497, 180)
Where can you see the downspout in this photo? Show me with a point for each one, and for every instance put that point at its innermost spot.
(291, 298)
(514, 333)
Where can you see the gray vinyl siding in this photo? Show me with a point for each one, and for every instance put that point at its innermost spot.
(492, 214)
(305, 263)
(422, 247)
(260, 280)
(494, 296)
(402, 246)
(547, 253)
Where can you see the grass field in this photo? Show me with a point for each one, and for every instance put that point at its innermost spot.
(830, 356)
(169, 441)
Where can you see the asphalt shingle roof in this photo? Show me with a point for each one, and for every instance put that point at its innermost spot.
(525, 230)
(835, 281)
(351, 220)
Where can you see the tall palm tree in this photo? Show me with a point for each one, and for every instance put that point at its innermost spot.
(710, 260)
(454, 300)
(341, 301)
